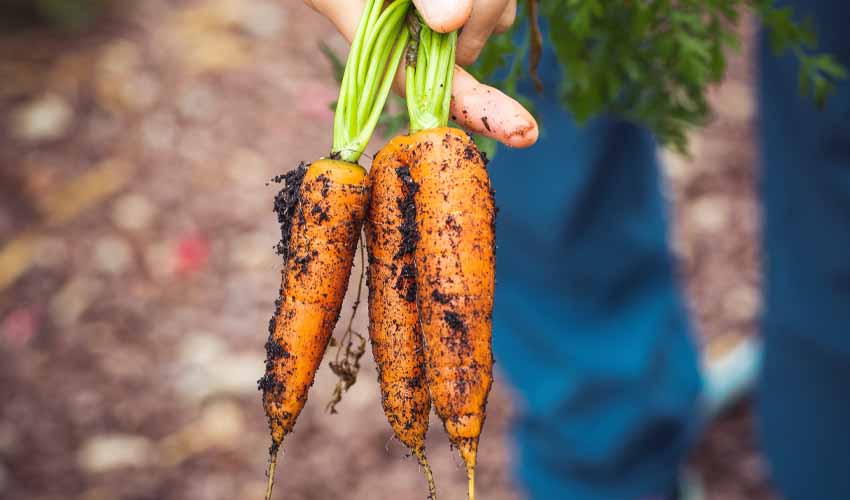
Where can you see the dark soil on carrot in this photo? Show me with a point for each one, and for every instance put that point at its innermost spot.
(137, 272)
(407, 206)
(286, 204)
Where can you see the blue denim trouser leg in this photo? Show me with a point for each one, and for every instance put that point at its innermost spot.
(589, 323)
(804, 398)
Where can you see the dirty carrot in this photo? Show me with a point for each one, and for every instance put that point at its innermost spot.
(393, 316)
(323, 207)
(321, 210)
(455, 262)
(455, 252)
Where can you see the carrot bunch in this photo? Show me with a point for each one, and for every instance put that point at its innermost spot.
(428, 212)
(430, 236)
(321, 210)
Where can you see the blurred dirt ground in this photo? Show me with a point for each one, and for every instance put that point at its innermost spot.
(137, 274)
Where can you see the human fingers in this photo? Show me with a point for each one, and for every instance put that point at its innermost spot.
(444, 16)
(489, 112)
(481, 24)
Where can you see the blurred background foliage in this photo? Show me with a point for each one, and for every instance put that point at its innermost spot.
(651, 61)
(72, 15)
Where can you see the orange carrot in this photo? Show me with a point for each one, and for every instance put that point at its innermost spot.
(393, 316)
(322, 211)
(455, 254)
(455, 262)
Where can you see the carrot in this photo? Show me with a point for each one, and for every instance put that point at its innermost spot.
(323, 213)
(321, 210)
(393, 316)
(455, 254)
(455, 262)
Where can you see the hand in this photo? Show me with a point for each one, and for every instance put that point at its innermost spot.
(479, 19)
(475, 106)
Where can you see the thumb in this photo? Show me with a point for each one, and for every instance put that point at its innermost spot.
(444, 15)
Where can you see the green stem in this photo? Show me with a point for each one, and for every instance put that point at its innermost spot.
(429, 79)
(372, 121)
(376, 50)
(346, 90)
(388, 28)
(379, 30)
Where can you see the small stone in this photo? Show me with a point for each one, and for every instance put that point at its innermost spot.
(262, 19)
(206, 38)
(219, 50)
(198, 103)
(201, 349)
(112, 254)
(221, 423)
(133, 212)
(710, 213)
(139, 92)
(735, 101)
(197, 145)
(107, 452)
(121, 84)
(159, 131)
(230, 375)
(675, 165)
(44, 119)
(253, 251)
(238, 377)
(51, 253)
(247, 168)
(74, 299)
(119, 59)
(681, 169)
(742, 303)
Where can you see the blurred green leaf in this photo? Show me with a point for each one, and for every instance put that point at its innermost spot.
(336, 62)
(70, 15)
(73, 14)
(652, 61)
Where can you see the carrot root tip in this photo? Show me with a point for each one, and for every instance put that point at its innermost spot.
(429, 476)
(270, 473)
(470, 474)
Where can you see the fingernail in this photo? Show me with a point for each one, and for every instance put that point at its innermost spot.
(524, 136)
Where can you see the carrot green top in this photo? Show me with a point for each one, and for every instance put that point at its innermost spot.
(377, 48)
(430, 69)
